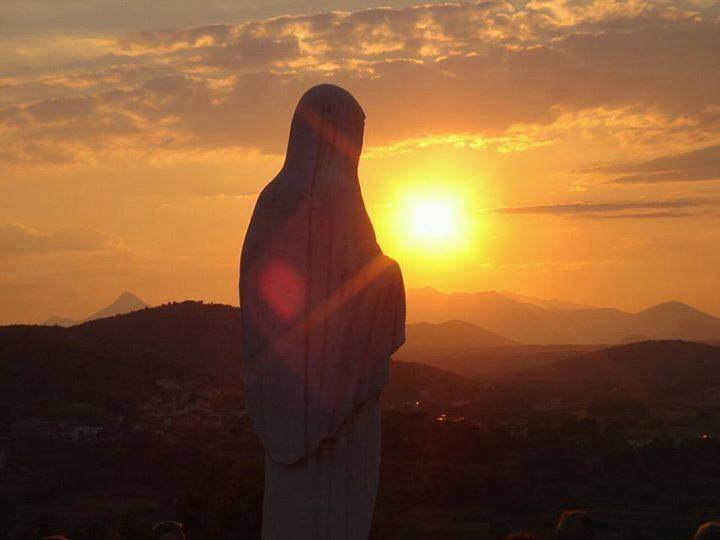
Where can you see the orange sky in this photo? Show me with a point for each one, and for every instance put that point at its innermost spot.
(579, 141)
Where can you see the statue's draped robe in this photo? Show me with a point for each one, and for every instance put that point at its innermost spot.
(323, 309)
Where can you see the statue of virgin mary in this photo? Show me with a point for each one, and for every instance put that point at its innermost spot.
(322, 311)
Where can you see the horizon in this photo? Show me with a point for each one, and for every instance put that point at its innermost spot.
(507, 294)
(561, 150)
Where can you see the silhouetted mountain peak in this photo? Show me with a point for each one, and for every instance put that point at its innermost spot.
(674, 308)
(125, 303)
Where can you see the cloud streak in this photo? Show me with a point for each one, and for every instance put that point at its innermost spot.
(584, 208)
(695, 166)
(18, 239)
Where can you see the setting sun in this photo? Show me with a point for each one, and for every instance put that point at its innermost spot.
(429, 221)
(432, 220)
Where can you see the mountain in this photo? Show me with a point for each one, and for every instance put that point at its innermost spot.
(451, 335)
(650, 371)
(679, 321)
(547, 303)
(490, 310)
(125, 303)
(530, 323)
(669, 320)
(599, 325)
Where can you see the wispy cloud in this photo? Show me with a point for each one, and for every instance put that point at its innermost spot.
(648, 215)
(604, 208)
(18, 239)
(695, 166)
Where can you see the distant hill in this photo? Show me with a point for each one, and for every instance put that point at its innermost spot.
(488, 363)
(650, 370)
(205, 338)
(60, 321)
(547, 303)
(44, 367)
(490, 310)
(451, 335)
(530, 323)
(633, 338)
(125, 303)
(410, 381)
(679, 321)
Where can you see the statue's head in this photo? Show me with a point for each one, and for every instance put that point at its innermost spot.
(326, 132)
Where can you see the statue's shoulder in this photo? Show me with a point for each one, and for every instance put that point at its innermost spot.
(389, 269)
(279, 194)
(268, 193)
(390, 265)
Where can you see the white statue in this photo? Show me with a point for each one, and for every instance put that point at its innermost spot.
(322, 310)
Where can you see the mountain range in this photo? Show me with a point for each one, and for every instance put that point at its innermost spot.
(494, 319)
(537, 321)
(122, 357)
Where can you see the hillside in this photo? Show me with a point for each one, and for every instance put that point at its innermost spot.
(650, 371)
(43, 369)
(124, 357)
(205, 338)
(451, 335)
(411, 382)
(487, 363)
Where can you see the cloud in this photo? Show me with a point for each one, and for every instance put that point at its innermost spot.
(582, 208)
(18, 239)
(474, 70)
(695, 166)
(648, 215)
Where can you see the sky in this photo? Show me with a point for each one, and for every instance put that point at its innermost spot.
(557, 148)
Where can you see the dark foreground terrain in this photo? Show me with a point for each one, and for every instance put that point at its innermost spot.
(113, 425)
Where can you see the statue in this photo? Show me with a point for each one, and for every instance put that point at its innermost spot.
(322, 311)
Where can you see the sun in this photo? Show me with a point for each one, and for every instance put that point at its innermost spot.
(429, 219)
(432, 220)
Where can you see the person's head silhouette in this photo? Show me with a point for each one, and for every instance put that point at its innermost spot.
(708, 531)
(575, 525)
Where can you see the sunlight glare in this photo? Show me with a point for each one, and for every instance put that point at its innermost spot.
(433, 219)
